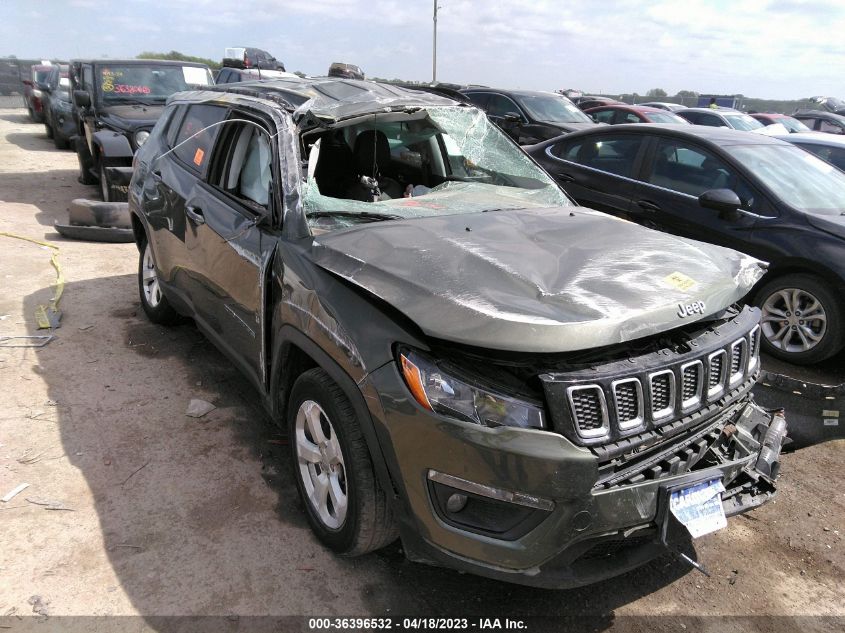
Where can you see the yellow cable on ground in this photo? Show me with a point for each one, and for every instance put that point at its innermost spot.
(47, 316)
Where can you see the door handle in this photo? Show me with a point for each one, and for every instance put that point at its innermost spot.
(195, 214)
(565, 177)
(645, 205)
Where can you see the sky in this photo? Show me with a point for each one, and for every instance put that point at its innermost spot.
(777, 49)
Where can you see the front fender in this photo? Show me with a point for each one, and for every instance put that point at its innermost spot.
(112, 145)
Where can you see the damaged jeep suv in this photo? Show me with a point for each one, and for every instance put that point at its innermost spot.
(513, 385)
(116, 103)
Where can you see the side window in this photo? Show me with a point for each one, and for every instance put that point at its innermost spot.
(711, 120)
(691, 170)
(692, 117)
(223, 76)
(88, 79)
(628, 117)
(832, 128)
(198, 141)
(479, 99)
(567, 151)
(245, 164)
(605, 116)
(613, 154)
(500, 106)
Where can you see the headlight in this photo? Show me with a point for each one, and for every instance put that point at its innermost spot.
(444, 394)
(141, 137)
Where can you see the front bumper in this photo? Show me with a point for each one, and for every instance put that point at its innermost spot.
(555, 526)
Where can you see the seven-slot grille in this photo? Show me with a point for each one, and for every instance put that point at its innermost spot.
(652, 399)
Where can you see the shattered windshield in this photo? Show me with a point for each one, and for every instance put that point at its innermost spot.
(153, 83)
(439, 161)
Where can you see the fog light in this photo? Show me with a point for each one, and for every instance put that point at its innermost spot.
(456, 502)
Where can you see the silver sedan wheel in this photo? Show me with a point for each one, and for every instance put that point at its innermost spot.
(149, 276)
(320, 465)
(793, 320)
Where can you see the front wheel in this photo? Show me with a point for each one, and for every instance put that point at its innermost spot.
(83, 156)
(49, 130)
(109, 191)
(155, 304)
(802, 321)
(346, 507)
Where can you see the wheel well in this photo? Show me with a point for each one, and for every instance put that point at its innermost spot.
(137, 229)
(295, 362)
(798, 268)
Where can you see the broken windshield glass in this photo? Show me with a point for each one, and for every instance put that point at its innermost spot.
(439, 161)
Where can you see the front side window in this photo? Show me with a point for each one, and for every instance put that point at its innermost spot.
(603, 116)
(501, 106)
(691, 170)
(613, 154)
(666, 117)
(245, 164)
(830, 127)
(628, 117)
(195, 138)
(710, 120)
(792, 124)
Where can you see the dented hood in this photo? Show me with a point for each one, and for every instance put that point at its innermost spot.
(537, 280)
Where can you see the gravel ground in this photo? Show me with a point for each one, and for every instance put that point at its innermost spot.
(153, 513)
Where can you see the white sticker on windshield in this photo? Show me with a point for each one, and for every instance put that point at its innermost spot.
(195, 75)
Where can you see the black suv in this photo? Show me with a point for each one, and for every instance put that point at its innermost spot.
(743, 190)
(247, 57)
(529, 117)
(513, 385)
(116, 103)
(821, 121)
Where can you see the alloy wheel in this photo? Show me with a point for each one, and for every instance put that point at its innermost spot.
(793, 320)
(152, 289)
(321, 465)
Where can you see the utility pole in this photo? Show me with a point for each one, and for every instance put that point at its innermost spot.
(434, 48)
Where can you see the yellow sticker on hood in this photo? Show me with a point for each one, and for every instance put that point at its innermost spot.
(679, 281)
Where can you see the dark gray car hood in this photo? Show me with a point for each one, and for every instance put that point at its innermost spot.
(536, 280)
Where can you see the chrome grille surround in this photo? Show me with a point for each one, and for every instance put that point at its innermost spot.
(681, 383)
(586, 413)
(623, 391)
(661, 387)
(692, 375)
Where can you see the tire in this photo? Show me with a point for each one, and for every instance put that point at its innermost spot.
(49, 130)
(109, 191)
(60, 141)
(155, 304)
(85, 162)
(788, 333)
(337, 448)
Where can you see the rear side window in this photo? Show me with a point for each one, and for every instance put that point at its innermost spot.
(613, 154)
(196, 140)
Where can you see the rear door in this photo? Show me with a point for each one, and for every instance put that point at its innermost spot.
(599, 170)
(231, 238)
(676, 173)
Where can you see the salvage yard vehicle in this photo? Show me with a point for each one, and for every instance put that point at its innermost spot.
(58, 109)
(721, 117)
(617, 114)
(116, 104)
(248, 57)
(821, 121)
(829, 147)
(515, 386)
(237, 75)
(529, 116)
(770, 118)
(33, 91)
(757, 194)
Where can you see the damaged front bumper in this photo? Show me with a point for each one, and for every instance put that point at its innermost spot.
(526, 506)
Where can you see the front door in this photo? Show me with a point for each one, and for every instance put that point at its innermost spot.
(232, 239)
(679, 172)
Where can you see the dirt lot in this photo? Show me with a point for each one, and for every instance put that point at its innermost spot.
(163, 514)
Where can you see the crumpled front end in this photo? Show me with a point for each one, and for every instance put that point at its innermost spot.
(553, 508)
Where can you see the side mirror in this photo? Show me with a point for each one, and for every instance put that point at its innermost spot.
(722, 200)
(82, 98)
(513, 118)
(27, 82)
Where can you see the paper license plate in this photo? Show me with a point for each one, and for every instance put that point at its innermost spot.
(699, 507)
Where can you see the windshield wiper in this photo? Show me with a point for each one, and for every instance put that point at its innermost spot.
(364, 215)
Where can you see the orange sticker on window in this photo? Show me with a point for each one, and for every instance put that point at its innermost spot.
(198, 156)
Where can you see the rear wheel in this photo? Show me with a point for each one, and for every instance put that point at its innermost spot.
(802, 320)
(155, 304)
(346, 507)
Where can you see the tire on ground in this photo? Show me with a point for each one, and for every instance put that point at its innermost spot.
(369, 523)
(156, 306)
(834, 336)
